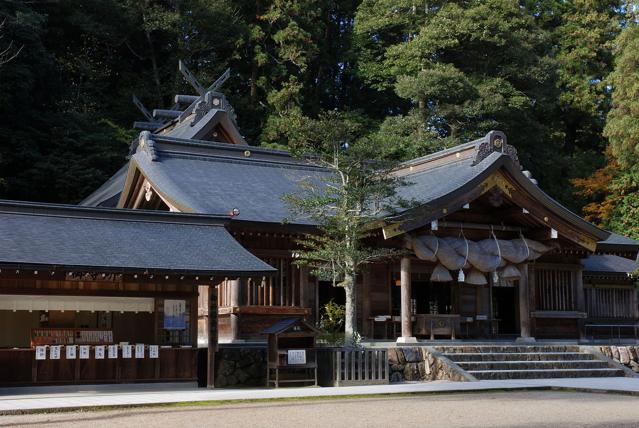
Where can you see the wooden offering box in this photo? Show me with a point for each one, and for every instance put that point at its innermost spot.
(292, 357)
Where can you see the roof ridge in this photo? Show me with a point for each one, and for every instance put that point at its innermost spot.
(112, 214)
(219, 145)
(245, 161)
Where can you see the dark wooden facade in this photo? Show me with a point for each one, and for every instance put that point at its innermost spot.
(177, 354)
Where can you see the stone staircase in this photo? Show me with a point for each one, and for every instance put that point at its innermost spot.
(527, 361)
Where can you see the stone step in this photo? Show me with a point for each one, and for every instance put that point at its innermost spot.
(531, 365)
(512, 356)
(544, 374)
(457, 349)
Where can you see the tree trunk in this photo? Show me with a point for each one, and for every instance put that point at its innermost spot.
(350, 321)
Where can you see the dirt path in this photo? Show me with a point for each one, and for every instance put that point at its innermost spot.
(502, 409)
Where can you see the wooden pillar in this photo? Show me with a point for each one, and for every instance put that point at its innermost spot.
(366, 302)
(580, 300)
(235, 285)
(212, 336)
(305, 287)
(524, 306)
(406, 315)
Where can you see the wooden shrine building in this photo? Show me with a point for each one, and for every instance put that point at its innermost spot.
(92, 295)
(490, 253)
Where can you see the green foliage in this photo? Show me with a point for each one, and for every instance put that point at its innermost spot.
(343, 203)
(332, 323)
(464, 68)
(417, 75)
(622, 128)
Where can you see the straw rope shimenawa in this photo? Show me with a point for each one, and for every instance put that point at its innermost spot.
(479, 257)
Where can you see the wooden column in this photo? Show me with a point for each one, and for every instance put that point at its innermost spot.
(306, 287)
(212, 336)
(235, 285)
(406, 315)
(580, 299)
(524, 306)
(366, 302)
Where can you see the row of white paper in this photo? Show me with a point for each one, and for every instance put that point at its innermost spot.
(111, 351)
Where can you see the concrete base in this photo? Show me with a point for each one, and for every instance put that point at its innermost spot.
(525, 340)
(405, 340)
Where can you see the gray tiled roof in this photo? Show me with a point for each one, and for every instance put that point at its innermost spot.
(208, 177)
(433, 183)
(118, 239)
(218, 178)
(618, 242)
(609, 263)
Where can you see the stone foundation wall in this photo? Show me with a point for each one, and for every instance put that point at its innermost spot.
(419, 364)
(626, 355)
(240, 366)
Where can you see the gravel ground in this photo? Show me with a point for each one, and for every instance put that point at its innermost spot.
(501, 409)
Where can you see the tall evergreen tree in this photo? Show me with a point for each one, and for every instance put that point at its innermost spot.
(462, 67)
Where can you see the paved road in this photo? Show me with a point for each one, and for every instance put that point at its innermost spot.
(500, 409)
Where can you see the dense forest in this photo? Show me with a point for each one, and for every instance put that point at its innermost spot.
(560, 77)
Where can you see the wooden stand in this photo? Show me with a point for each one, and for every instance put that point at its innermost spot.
(292, 357)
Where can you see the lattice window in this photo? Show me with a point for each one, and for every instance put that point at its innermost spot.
(555, 290)
(610, 302)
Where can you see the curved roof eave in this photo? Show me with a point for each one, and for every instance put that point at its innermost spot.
(523, 181)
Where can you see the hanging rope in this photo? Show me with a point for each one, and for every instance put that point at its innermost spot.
(521, 235)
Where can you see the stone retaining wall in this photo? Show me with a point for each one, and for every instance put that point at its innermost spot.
(419, 364)
(626, 355)
(240, 366)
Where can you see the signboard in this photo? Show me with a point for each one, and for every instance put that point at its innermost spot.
(296, 356)
(154, 351)
(71, 352)
(99, 352)
(84, 352)
(174, 314)
(54, 352)
(127, 351)
(41, 353)
(139, 350)
(113, 351)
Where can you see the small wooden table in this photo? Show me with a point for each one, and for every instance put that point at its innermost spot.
(437, 324)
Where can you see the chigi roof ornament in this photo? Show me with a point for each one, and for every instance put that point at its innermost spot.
(208, 99)
(197, 106)
(495, 141)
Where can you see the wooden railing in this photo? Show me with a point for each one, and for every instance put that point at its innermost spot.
(283, 289)
(342, 367)
(611, 302)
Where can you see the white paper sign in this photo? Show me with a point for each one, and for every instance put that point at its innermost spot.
(84, 352)
(126, 351)
(139, 350)
(296, 356)
(54, 352)
(99, 352)
(153, 351)
(41, 353)
(113, 351)
(71, 352)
